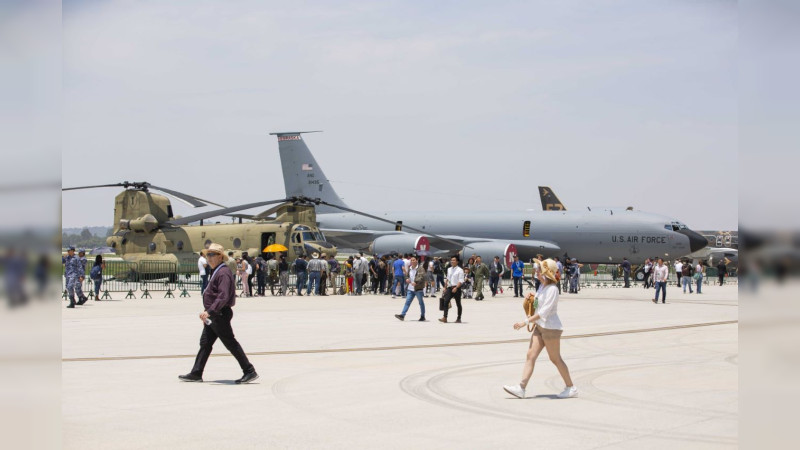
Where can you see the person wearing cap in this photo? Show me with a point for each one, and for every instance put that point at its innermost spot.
(218, 301)
(517, 268)
(574, 276)
(73, 276)
(546, 333)
(315, 268)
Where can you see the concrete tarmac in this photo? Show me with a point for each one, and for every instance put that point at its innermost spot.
(342, 372)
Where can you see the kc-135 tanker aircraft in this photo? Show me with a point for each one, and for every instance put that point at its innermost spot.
(600, 236)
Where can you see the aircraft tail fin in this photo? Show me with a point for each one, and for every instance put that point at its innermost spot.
(301, 173)
(549, 200)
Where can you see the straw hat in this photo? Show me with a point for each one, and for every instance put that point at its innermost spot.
(549, 269)
(213, 248)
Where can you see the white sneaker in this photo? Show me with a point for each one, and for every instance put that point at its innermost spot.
(515, 390)
(569, 392)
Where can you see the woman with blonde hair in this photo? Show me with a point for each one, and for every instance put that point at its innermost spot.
(546, 333)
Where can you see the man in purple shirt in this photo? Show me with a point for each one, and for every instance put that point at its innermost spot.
(218, 299)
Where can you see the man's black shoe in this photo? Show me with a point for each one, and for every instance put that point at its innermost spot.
(190, 377)
(422, 319)
(71, 305)
(82, 301)
(400, 317)
(248, 377)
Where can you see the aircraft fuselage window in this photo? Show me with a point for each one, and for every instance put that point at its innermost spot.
(526, 228)
(308, 236)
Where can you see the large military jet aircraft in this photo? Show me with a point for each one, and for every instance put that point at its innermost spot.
(590, 236)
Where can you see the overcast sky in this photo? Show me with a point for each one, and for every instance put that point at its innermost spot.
(476, 103)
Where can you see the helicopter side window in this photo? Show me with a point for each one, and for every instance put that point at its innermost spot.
(179, 245)
(237, 243)
(152, 247)
(296, 238)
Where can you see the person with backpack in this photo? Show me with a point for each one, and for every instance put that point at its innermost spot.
(300, 266)
(686, 277)
(261, 275)
(333, 266)
(381, 272)
(96, 275)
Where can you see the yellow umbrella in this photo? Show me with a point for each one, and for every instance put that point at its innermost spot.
(274, 248)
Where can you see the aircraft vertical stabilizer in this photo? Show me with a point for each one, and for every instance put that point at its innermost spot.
(301, 173)
(549, 200)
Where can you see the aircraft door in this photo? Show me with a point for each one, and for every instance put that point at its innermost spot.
(297, 243)
(266, 239)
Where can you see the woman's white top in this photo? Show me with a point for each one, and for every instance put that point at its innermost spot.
(548, 307)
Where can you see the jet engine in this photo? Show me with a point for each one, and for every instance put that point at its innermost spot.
(400, 243)
(488, 250)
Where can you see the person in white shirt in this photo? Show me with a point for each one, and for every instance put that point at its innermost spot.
(660, 275)
(452, 289)
(699, 271)
(679, 271)
(202, 263)
(546, 333)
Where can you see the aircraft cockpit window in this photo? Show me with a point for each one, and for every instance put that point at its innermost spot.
(668, 227)
(308, 236)
(296, 238)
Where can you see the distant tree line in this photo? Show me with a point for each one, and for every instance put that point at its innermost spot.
(84, 239)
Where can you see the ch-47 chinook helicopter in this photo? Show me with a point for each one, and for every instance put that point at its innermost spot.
(148, 234)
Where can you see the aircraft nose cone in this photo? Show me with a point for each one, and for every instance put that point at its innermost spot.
(696, 240)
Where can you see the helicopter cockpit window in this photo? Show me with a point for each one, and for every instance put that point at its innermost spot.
(296, 238)
(237, 243)
(309, 236)
(152, 246)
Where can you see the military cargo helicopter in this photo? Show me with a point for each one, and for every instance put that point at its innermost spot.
(148, 234)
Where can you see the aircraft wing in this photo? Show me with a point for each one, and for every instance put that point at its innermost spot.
(402, 242)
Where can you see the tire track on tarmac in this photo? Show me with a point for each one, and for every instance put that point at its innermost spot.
(403, 347)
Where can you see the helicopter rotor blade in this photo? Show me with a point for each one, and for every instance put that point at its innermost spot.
(343, 208)
(143, 185)
(190, 199)
(92, 187)
(221, 212)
